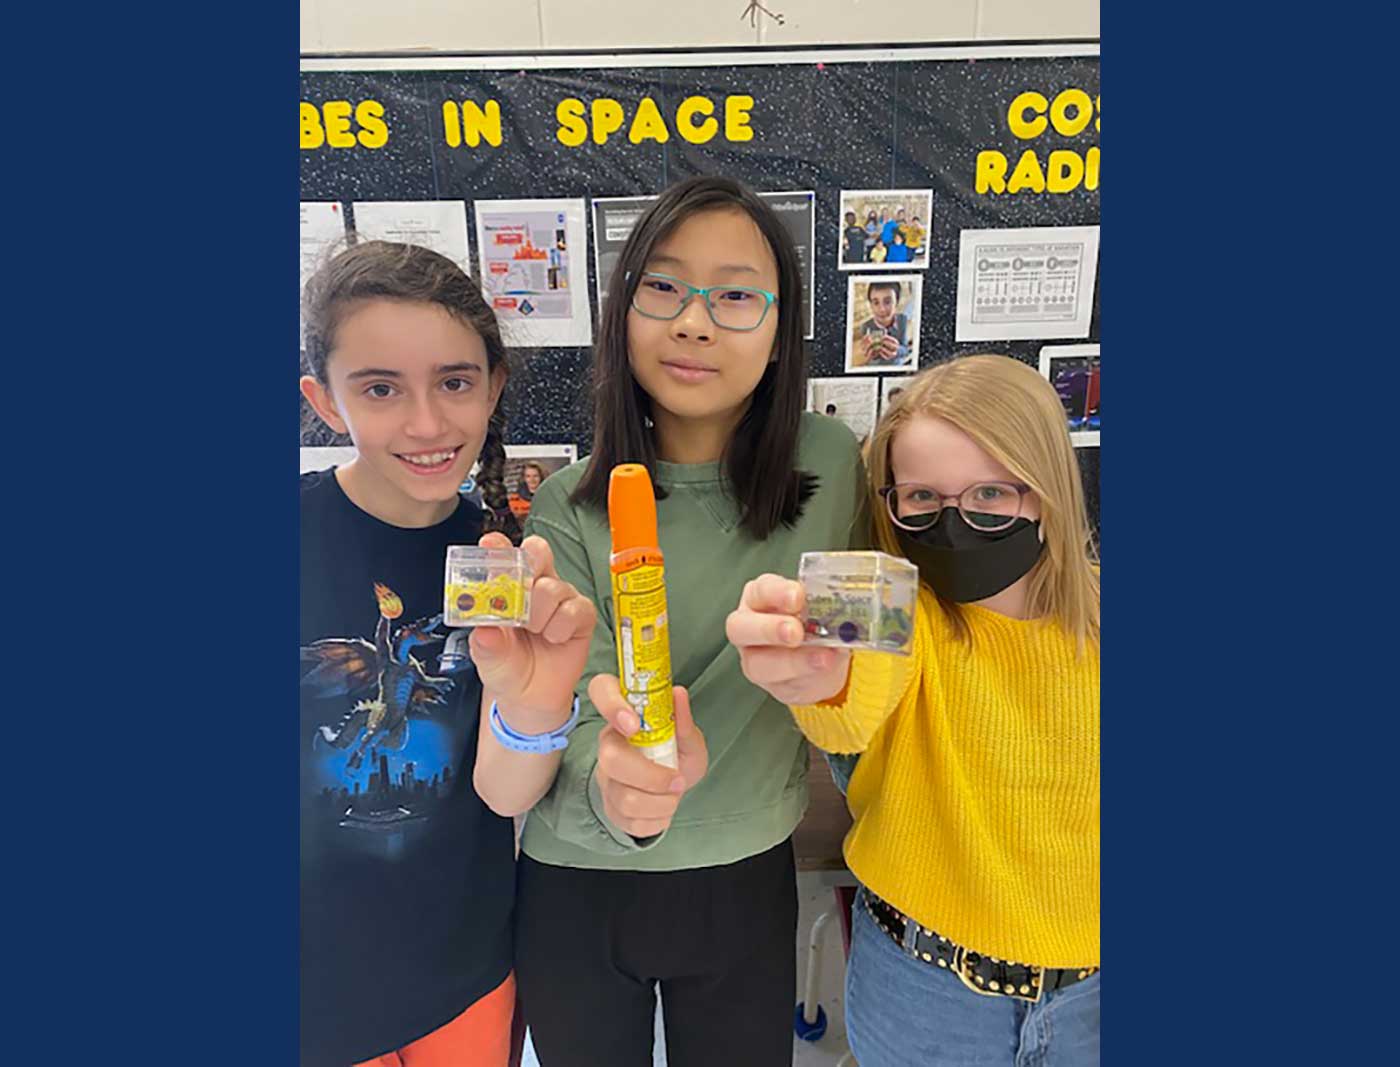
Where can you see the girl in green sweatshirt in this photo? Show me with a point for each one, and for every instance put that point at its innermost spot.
(635, 875)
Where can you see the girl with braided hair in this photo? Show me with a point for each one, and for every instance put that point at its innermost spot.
(405, 870)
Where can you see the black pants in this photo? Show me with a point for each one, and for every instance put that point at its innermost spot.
(721, 941)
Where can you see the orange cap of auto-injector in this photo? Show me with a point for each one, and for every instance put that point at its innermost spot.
(631, 508)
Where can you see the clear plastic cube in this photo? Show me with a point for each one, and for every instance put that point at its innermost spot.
(486, 587)
(859, 600)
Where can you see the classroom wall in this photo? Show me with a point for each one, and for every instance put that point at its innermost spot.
(489, 25)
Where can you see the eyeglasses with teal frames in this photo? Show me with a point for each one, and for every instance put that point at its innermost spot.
(731, 307)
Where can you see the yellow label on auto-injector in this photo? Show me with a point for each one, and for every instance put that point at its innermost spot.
(644, 651)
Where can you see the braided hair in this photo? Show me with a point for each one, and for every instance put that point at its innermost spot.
(491, 478)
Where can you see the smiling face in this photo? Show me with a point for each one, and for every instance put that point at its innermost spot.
(411, 385)
(883, 305)
(692, 369)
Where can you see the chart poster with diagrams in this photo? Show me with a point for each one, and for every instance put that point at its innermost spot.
(1032, 283)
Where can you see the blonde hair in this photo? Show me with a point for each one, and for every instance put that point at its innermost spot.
(1015, 416)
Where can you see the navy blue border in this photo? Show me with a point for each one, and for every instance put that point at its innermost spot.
(152, 789)
(152, 794)
(1248, 635)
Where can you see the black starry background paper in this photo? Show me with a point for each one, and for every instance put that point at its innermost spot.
(839, 125)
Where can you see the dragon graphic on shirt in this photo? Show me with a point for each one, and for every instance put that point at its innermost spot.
(402, 690)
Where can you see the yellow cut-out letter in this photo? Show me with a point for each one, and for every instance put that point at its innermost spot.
(451, 124)
(736, 118)
(647, 124)
(1083, 107)
(312, 136)
(478, 124)
(607, 119)
(1016, 115)
(685, 119)
(1027, 174)
(338, 133)
(374, 131)
(1064, 172)
(573, 130)
(991, 172)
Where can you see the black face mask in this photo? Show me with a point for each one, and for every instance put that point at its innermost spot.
(962, 564)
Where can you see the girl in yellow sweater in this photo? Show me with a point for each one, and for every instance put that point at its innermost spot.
(976, 792)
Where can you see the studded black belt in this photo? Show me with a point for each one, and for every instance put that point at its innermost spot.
(981, 974)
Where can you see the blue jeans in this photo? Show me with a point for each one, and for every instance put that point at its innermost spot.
(902, 1012)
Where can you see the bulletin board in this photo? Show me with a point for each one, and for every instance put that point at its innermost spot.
(529, 168)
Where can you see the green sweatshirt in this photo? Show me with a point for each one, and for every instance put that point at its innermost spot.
(756, 789)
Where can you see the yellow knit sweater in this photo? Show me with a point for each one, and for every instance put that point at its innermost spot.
(976, 798)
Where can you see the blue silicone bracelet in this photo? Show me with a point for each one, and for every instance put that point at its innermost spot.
(537, 743)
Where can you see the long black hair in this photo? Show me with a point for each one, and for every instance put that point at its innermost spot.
(761, 457)
(386, 270)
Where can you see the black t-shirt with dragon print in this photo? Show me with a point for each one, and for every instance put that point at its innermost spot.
(407, 877)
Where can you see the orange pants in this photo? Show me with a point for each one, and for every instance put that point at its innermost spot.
(479, 1037)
